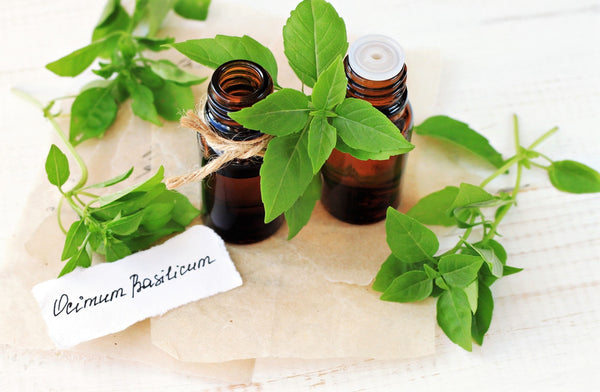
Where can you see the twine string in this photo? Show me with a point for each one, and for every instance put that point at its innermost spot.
(229, 150)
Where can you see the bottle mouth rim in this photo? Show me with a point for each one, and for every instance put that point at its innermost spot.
(376, 57)
(228, 77)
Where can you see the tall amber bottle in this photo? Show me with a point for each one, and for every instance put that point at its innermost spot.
(360, 191)
(231, 198)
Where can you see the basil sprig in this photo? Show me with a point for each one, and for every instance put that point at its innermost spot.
(157, 88)
(461, 277)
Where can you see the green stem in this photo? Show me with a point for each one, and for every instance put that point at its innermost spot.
(540, 139)
(507, 165)
(61, 134)
(58, 214)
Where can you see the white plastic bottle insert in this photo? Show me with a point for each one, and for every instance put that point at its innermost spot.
(376, 57)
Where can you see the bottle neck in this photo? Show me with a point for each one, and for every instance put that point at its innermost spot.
(390, 96)
(235, 85)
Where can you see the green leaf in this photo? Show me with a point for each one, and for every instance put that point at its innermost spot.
(454, 317)
(282, 113)
(82, 258)
(457, 132)
(441, 283)
(117, 21)
(76, 62)
(391, 268)
(433, 208)
(489, 256)
(411, 286)
(321, 142)
(483, 317)
(57, 167)
(330, 88)
(408, 239)
(285, 173)
(363, 155)
(109, 11)
(184, 212)
(508, 270)
(213, 52)
(75, 237)
(143, 102)
(92, 112)
(459, 270)
(112, 181)
(432, 273)
(472, 295)
(171, 100)
(363, 127)
(169, 71)
(147, 77)
(116, 250)
(155, 13)
(192, 9)
(298, 215)
(143, 187)
(153, 43)
(157, 215)
(125, 225)
(313, 37)
(574, 177)
(470, 195)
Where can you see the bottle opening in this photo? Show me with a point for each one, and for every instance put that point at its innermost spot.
(376, 57)
(241, 82)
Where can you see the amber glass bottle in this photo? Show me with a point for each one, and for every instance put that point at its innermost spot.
(360, 191)
(231, 199)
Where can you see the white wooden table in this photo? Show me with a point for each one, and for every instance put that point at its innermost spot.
(537, 58)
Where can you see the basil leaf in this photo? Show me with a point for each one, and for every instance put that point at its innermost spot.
(155, 44)
(183, 212)
(282, 113)
(363, 127)
(459, 270)
(82, 258)
(408, 239)
(145, 186)
(169, 71)
(298, 215)
(57, 166)
(468, 195)
(432, 273)
(117, 21)
(391, 268)
(321, 141)
(446, 128)
(75, 237)
(143, 102)
(363, 155)
(192, 9)
(76, 62)
(147, 77)
(483, 317)
(108, 12)
(433, 208)
(411, 286)
(116, 250)
(313, 37)
(488, 255)
(472, 295)
(574, 177)
(330, 88)
(171, 100)
(285, 173)
(92, 112)
(112, 181)
(157, 215)
(125, 225)
(213, 52)
(155, 13)
(454, 317)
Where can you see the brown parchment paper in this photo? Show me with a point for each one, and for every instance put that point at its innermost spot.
(305, 298)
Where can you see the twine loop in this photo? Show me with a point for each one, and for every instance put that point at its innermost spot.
(229, 150)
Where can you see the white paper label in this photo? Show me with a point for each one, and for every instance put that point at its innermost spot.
(106, 298)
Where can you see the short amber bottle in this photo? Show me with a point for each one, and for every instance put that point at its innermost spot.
(231, 197)
(360, 191)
